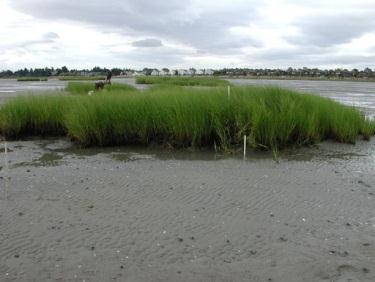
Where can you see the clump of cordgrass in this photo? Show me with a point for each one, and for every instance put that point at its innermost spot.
(82, 88)
(34, 115)
(272, 118)
(81, 78)
(182, 81)
(23, 79)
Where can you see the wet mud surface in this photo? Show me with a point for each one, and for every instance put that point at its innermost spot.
(136, 214)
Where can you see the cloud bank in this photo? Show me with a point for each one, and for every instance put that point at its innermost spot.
(191, 33)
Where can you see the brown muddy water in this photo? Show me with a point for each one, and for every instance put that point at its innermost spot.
(153, 214)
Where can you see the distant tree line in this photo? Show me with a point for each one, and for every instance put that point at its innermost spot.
(46, 72)
(298, 72)
(235, 72)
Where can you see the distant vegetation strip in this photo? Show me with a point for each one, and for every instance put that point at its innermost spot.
(366, 74)
(82, 78)
(83, 88)
(32, 79)
(181, 81)
(310, 78)
(272, 118)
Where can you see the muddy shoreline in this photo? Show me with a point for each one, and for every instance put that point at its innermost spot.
(131, 214)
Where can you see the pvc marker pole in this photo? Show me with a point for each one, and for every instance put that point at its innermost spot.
(244, 147)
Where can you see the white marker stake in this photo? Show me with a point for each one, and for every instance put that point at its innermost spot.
(244, 147)
(6, 169)
(6, 155)
(228, 92)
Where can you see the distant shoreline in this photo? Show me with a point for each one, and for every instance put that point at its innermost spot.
(245, 77)
(238, 77)
(297, 78)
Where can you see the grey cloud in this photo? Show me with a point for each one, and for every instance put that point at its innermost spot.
(149, 42)
(207, 28)
(364, 60)
(327, 30)
(165, 56)
(182, 21)
(300, 53)
(210, 32)
(141, 14)
(46, 38)
(50, 35)
(309, 56)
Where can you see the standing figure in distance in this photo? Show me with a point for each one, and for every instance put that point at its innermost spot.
(109, 76)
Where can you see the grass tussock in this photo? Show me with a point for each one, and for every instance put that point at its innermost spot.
(182, 81)
(34, 115)
(82, 88)
(23, 79)
(81, 78)
(272, 118)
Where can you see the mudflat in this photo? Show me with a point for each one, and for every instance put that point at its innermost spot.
(131, 214)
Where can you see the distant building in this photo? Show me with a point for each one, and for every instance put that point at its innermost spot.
(182, 72)
(199, 72)
(84, 73)
(127, 73)
(189, 72)
(155, 72)
(164, 72)
(138, 73)
(209, 72)
(192, 71)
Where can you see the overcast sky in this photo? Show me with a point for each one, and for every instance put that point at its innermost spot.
(189, 33)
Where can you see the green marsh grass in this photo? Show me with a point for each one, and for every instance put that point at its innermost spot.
(23, 79)
(272, 118)
(82, 88)
(81, 78)
(35, 115)
(182, 81)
